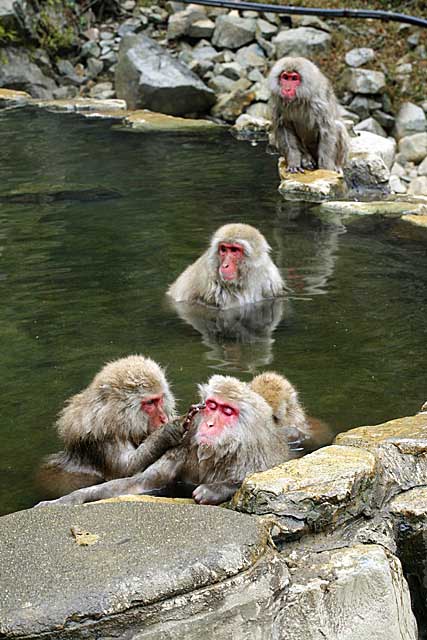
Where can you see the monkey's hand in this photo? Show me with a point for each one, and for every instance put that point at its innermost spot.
(215, 492)
(173, 433)
(64, 501)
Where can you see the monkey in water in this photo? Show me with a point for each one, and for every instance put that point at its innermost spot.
(233, 436)
(235, 270)
(304, 433)
(306, 128)
(117, 426)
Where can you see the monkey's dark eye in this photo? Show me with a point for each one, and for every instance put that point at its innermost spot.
(222, 248)
(295, 77)
(284, 76)
(234, 249)
(149, 401)
(212, 405)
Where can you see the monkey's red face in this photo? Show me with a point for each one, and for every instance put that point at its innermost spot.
(217, 416)
(230, 255)
(289, 82)
(153, 407)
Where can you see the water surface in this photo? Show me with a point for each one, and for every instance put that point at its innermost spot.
(82, 281)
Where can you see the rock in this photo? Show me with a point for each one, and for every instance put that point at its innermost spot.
(94, 67)
(232, 32)
(370, 124)
(414, 147)
(418, 186)
(385, 120)
(367, 142)
(17, 70)
(261, 90)
(364, 81)
(81, 105)
(222, 84)
(265, 29)
(303, 41)
(359, 57)
(363, 105)
(147, 121)
(310, 21)
(409, 120)
(329, 588)
(147, 76)
(401, 450)
(201, 28)
(179, 23)
(103, 91)
(383, 208)
(422, 168)
(259, 110)
(367, 171)
(231, 105)
(410, 522)
(412, 227)
(11, 98)
(128, 583)
(330, 486)
(231, 70)
(248, 127)
(396, 184)
(311, 186)
(251, 56)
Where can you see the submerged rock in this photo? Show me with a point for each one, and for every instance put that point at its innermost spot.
(378, 208)
(147, 76)
(81, 105)
(144, 120)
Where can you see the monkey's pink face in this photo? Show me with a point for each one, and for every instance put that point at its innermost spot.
(289, 81)
(217, 416)
(230, 255)
(152, 406)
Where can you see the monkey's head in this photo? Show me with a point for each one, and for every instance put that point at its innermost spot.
(236, 250)
(136, 392)
(290, 79)
(226, 424)
(282, 397)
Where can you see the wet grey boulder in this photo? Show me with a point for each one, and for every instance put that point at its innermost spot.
(17, 71)
(155, 571)
(410, 119)
(147, 76)
(232, 32)
(303, 41)
(371, 125)
(413, 148)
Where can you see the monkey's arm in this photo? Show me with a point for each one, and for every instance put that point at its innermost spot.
(215, 492)
(157, 476)
(154, 446)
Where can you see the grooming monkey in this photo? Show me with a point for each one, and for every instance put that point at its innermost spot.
(306, 128)
(118, 425)
(235, 270)
(302, 431)
(233, 436)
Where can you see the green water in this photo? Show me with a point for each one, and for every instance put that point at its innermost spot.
(83, 282)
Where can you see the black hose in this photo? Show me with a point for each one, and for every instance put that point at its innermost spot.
(389, 16)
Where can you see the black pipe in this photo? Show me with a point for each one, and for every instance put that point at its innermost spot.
(389, 16)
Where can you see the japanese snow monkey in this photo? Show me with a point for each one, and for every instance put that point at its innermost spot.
(303, 432)
(119, 424)
(235, 270)
(306, 128)
(233, 436)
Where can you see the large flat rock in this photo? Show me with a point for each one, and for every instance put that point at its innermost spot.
(149, 558)
(149, 121)
(400, 447)
(325, 488)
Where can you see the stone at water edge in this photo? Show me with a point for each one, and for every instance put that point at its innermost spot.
(9, 97)
(145, 120)
(310, 186)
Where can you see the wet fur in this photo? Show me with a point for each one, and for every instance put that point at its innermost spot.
(307, 130)
(259, 278)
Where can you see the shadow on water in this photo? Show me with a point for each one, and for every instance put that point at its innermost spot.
(82, 281)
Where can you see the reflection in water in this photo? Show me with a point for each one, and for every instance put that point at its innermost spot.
(240, 338)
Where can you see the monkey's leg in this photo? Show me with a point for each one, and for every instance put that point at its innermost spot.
(160, 474)
(290, 146)
(327, 148)
(215, 492)
(154, 446)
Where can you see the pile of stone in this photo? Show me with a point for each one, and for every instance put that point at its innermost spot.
(191, 60)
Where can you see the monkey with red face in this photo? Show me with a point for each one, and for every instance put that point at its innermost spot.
(117, 426)
(232, 437)
(306, 128)
(235, 270)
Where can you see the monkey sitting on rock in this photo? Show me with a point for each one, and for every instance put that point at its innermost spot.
(235, 270)
(306, 128)
(241, 429)
(116, 427)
